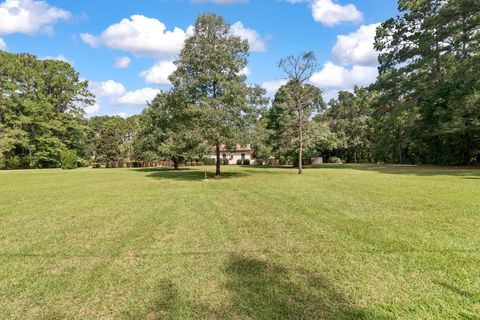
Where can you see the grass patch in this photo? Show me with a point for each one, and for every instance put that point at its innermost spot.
(339, 242)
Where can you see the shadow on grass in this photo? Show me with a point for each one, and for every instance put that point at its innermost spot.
(188, 174)
(459, 291)
(264, 290)
(258, 289)
(419, 170)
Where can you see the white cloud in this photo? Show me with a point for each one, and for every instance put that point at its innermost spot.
(272, 86)
(89, 39)
(60, 57)
(330, 13)
(245, 71)
(92, 110)
(121, 62)
(138, 97)
(333, 78)
(109, 88)
(159, 72)
(357, 48)
(124, 115)
(29, 16)
(143, 36)
(3, 44)
(254, 40)
(140, 36)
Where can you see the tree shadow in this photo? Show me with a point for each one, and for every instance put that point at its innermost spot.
(188, 174)
(458, 291)
(264, 290)
(158, 169)
(258, 289)
(418, 170)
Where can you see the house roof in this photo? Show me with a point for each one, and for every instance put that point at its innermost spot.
(238, 148)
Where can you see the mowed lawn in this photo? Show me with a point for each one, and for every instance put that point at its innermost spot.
(339, 242)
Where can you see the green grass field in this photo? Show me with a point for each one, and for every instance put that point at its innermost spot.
(339, 242)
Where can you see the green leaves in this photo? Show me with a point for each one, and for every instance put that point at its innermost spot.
(209, 76)
(41, 110)
(428, 70)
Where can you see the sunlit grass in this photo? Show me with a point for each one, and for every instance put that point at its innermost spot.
(339, 242)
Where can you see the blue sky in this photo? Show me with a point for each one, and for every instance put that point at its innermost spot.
(125, 48)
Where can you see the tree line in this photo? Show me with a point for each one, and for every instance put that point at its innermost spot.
(424, 107)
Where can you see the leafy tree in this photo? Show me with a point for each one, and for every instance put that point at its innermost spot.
(298, 101)
(350, 118)
(168, 130)
(69, 159)
(209, 74)
(429, 80)
(107, 136)
(282, 126)
(41, 110)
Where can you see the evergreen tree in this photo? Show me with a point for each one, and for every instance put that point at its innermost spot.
(209, 74)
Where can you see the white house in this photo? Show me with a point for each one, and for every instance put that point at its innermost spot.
(240, 153)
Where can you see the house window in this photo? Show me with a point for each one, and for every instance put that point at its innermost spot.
(243, 156)
(224, 156)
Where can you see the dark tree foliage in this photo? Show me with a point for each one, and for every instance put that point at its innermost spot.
(287, 122)
(168, 129)
(429, 110)
(350, 118)
(111, 139)
(209, 74)
(41, 111)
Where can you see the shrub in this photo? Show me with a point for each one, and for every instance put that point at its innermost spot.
(199, 163)
(246, 162)
(209, 161)
(193, 163)
(188, 163)
(225, 162)
(334, 160)
(83, 163)
(239, 162)
(68, 159)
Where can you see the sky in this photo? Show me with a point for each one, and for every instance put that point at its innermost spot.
(126, 49)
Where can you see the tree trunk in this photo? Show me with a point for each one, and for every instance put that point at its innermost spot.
(300, 150)
(217, 165)
(175, 163)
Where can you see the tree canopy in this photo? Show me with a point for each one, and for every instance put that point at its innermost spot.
(209, 75)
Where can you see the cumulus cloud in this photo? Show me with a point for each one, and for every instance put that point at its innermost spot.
(92, 110)
(141, 36)
(330, 13)
(121, 62)
(354, 63)
(159, 72)
(109, 88)
(356, 48)
(3, 44)
(254, 40)
(272, 86)
(29, 16)
(91, 40)
(138, 97)
(333, 78)
(60, 57)
(124, 115)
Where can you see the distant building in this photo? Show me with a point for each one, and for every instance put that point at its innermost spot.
(317, 160)
(240, 153)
